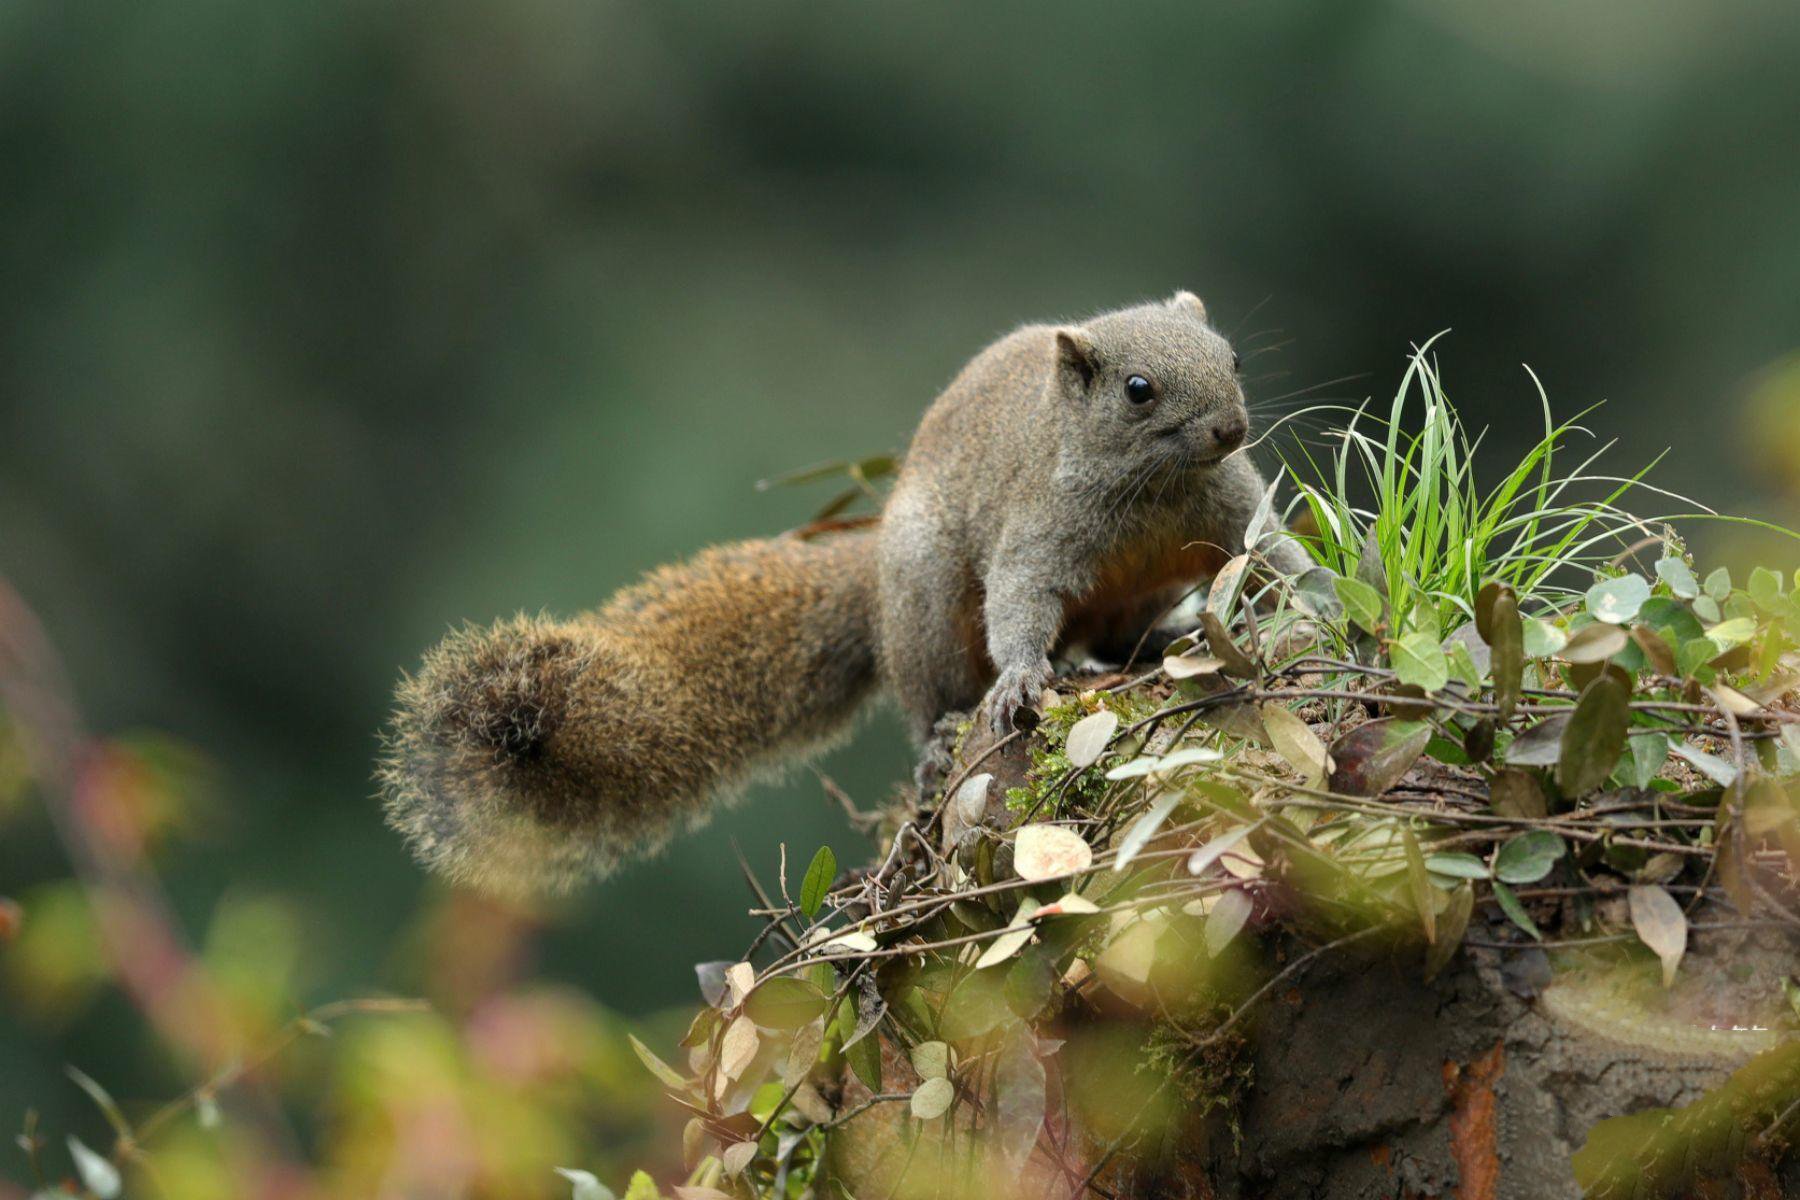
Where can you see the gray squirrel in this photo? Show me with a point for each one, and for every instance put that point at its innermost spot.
(1068, 483)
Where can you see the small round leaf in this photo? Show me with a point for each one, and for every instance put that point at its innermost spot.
(933, 1098)
(1047, 851)
(1089, 736)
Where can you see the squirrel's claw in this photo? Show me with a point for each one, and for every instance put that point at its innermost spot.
(1012, 702)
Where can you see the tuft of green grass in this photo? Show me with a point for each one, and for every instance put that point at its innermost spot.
(1434, 537)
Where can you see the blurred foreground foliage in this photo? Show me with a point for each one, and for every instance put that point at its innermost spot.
(472, 1090)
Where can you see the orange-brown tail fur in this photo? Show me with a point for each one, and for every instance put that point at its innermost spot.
(534, 753)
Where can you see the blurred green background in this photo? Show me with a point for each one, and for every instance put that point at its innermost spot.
(325, 326)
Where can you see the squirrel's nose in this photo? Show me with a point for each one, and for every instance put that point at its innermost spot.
(1228, 433)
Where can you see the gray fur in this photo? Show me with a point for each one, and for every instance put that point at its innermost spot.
(1036, 497)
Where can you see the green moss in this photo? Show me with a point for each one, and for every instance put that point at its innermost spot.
(1043, 795)
(1212, 1080)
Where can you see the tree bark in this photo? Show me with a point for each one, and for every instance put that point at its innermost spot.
(1369, 1084)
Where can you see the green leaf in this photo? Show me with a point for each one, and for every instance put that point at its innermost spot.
(1222, 596)
(1671, 618)
(1447, 750)
(1145, 827)
(1515, 793)
(97, 1173)
(933, 1098)
(1507, 641)
(1675, 573)
(869, 1009)
(1729, 635)
(1202, 859)
(1168, 764)
(1478, 742)
(1457, 865)
(1418, 882)
(1232, 659)
(1657, 651)
(1463, 667)
(1485, 600)
(1710, 765)
(1528, 857)
(1515, 912)
(1295, 741)
(1660, 925)
(976, 1006)
(1425, 619)
(1594, 737)
(1370, 568)
(1088, 738)
(1418, 660)
(1694, 654)
(739, 1155)
(1718, 585)
(1030, 982)
(1616, 601)
(642, 1187)
(1765, 591)
(1648, 753)
(584, 1186)
(1259, 520)
(931, 1060)
(864, 1058)
(1016, 935)
(1539, 746)
(1376, 755)
(818, 881)
(803, 1054)
(1315, 594)
(1451, 927)
(784, 1002)
(1543, 639)
(1226, 919)
(1361, 602)
(1019, 1100)
(662, 1070)
(1595, 643)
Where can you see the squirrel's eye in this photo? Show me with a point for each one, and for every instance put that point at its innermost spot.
(1138, 390)
(1237, 364)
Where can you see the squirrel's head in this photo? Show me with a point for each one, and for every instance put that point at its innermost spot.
(1150, 385)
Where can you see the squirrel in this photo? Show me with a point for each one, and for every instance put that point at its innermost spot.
(1070, 480)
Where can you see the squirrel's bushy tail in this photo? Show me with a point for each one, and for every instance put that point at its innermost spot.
(533, 753)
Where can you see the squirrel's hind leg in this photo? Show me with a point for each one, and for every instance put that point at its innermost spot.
(937, 753)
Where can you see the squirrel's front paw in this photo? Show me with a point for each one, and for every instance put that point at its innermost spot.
(1012, 702)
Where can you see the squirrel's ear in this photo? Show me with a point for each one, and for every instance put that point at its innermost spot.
(1076, 362)
(1190, 302)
